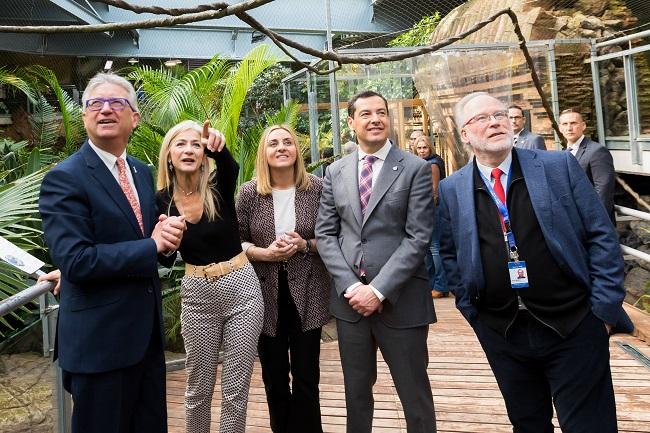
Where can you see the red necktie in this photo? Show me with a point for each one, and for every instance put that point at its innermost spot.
(498, 189)
(128, 191)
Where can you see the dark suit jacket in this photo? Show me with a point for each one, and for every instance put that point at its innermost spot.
(110, 289)
(574, 224)
(528, 140)
(392, 237)
(597, 162)
(309, 282)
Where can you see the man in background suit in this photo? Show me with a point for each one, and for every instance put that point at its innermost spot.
(373, 228)
(103, 232)
(523, 139)
(593, 157)
(546, 338)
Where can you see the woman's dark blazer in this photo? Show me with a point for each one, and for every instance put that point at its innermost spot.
(309, 281)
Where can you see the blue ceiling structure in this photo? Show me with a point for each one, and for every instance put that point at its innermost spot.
(303, 21)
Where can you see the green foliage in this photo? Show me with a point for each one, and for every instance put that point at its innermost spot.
(264, 97)
(19, 224)
(419, 34)
(70, 111)
(18, 81)
(215, 91)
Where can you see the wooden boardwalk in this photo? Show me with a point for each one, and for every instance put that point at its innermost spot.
(464, 390)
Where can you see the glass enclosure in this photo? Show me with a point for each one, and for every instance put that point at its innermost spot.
(422, 91)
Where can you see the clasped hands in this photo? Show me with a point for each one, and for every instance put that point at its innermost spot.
(281, 249)
(168, 233)
(363, 300)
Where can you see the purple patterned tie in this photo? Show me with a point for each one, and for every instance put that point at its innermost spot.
(365, 182)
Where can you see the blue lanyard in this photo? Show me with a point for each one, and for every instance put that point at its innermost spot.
(503, 210)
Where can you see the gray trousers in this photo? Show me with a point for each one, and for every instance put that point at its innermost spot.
(405, 352)
(227, 311)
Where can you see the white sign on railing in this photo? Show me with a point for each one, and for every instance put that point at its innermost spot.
(18, 258)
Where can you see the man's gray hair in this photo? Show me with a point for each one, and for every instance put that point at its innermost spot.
(107, 78)
(459, 108)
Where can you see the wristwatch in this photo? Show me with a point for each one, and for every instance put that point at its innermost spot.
(307, 247)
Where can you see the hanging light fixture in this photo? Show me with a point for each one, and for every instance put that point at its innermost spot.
(133, 61)
(108, 65)
(172, 62)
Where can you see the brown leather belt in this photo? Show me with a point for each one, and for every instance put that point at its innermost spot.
(214, 271)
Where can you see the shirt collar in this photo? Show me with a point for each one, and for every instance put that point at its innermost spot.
(576, 145)
(380, 154)
(504, 166)
(108, 158)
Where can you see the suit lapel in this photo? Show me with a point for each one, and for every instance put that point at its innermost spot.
(349, 177)
(582, 148)
(535, 177)
(391, 169)
(467, 219)
(103, 176)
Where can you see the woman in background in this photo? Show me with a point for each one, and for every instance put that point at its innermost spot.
(221, 302)
(424, 149)
(277, 214)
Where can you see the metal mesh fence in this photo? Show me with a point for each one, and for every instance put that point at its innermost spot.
(540, 19)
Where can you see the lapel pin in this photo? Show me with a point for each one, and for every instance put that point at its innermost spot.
(395, 168)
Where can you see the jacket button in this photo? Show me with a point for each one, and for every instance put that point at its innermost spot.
(363, 241)
(149, 290)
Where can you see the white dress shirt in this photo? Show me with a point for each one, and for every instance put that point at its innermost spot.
(505, 168)
(110, 161)
(575, 146)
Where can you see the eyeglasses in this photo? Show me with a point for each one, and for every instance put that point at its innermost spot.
(116, 104)
(485, 118)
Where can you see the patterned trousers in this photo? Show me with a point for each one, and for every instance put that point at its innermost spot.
(228, 311)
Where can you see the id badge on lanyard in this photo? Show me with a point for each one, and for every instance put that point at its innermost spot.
(516, 268)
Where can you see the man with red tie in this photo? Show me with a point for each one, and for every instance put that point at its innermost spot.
(103, 232)
(536, 269)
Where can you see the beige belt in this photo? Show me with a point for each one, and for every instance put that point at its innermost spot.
(214, 271)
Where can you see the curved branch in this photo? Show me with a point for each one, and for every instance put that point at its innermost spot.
(121, 4)
(220, 10)
(143, 24)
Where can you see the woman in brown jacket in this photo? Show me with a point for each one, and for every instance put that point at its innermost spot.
(277, 213)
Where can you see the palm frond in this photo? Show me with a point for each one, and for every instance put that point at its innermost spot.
(252, 65)
(45, 124)
(70, 111)
(16, 81)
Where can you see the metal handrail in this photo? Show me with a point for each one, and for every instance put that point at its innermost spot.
(24, 296)
(637, 214)
(632, 212)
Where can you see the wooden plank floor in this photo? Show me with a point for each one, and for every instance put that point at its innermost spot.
(465, 393)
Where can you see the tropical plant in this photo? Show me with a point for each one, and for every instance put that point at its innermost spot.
(70, 111)
(215, 91)
(19, 224)
(18, 81)
(419, 34)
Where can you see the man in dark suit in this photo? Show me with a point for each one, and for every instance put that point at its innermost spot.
(523, 139)
(373, 228)
(546, 338)
(593, 157)
(103, 232)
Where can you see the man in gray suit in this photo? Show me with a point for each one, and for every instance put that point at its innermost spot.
(593, 157)
(523, 139)
(373, 229)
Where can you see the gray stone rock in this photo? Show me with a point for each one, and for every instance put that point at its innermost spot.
(591, 23)
(641, 230)
(636, 284)
(592, 7)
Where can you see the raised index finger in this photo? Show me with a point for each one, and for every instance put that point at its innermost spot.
(206, 130)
